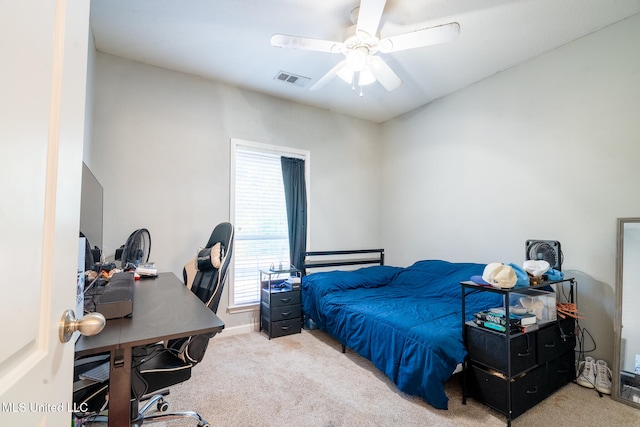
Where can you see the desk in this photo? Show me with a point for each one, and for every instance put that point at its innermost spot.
(163, 308)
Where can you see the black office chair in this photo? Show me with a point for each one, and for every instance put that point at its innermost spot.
(157, 367)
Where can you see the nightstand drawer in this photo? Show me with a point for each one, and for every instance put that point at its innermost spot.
(282, 327)
(281, 313)
(278, 299)
(490, 349)
(555, 340)
(561, 370)
(492, 390)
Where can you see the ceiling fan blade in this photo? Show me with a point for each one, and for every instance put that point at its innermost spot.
(306, 43)
(369, 15)
(383, 73)
(420, 38)
(330, 75)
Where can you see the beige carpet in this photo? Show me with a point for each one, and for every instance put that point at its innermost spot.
(305, 380)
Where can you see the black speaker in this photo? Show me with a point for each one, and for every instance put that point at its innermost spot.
(545, 250)
(117, 299)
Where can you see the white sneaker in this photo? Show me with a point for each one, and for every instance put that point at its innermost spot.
(603, 377)
(587, 376)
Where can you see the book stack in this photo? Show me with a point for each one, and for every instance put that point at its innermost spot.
(496, 320)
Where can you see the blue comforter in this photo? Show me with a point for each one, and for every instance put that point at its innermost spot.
(407, 321)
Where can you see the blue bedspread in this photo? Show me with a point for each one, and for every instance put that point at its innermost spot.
(407, 321)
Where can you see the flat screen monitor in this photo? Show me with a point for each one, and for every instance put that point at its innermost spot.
(91, 208)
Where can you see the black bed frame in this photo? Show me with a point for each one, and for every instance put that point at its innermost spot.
(324, 259)
(328, 259)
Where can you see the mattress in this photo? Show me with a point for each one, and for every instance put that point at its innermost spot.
(407, 321)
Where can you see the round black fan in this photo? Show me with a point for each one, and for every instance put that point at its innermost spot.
(545, 250)
(137, 248)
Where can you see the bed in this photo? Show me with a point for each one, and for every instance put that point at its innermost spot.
(407, 321)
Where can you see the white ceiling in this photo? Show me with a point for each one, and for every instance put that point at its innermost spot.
(229, 41)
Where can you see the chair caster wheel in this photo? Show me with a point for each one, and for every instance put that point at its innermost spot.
(162, 405)
(203, 425)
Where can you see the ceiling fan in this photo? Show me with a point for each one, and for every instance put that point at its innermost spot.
(361, 66)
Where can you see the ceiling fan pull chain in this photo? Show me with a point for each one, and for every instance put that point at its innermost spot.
(361, 93)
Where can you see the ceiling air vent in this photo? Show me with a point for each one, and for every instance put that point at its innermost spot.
(293, 79)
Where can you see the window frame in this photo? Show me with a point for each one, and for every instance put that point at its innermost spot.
(268, 149)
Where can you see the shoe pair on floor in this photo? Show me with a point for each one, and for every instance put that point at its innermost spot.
(595, 374)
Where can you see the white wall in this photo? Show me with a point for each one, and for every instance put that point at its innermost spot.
(546, 150)
(160, 148)
(89, 103)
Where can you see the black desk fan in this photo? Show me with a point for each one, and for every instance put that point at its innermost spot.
(136, 249)
(545, 250)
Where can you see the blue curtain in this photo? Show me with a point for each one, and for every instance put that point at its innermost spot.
(295, 194)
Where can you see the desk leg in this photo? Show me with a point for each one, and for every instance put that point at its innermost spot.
(120, 388)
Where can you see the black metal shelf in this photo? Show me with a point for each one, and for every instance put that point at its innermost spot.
(471, 287)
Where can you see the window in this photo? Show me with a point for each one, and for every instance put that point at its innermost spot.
(258, 212)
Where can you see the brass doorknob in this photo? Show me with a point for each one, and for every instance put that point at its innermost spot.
(90, 324)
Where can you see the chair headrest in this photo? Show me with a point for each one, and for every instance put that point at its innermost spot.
(210, 258)
(222, 233)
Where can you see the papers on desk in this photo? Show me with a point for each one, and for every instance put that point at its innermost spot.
(147, 269)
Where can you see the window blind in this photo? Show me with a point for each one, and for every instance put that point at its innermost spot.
(261, 234)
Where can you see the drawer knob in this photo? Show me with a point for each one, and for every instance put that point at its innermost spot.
(285, 328)
(285, 300)
(550, 345)
(524, 354)
(287, 314)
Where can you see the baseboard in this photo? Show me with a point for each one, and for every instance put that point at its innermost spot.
(238, 330)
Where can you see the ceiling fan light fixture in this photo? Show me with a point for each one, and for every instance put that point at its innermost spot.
(366, 77)
(346, 74)
(357, 63)
(357, 58)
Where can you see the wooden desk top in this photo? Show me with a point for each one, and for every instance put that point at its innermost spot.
(163, 308)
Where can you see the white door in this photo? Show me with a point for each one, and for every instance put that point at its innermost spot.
(43, 63)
